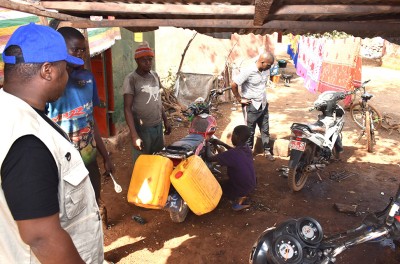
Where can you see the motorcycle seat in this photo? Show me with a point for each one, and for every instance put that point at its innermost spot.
(317, 127)
(186, 144)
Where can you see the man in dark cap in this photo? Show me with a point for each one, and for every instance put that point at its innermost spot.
(144, 113)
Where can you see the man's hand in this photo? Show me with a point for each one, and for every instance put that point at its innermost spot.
(167, 130)
(108, 165)
(137, 143)
(245, 101)
(213, 141)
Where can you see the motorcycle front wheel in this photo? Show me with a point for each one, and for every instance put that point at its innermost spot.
(298, 175)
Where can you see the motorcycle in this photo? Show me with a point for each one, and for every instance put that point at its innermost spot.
(312, 146)
(202, 127)
(302, 240)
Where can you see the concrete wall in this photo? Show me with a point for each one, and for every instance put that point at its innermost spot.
(391, 57)
(205, 54)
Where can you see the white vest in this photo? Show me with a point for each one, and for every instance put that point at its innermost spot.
(79, 213)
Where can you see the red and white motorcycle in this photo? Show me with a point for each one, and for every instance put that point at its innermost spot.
(202, 127)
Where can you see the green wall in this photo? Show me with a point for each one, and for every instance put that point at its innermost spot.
(124, 63)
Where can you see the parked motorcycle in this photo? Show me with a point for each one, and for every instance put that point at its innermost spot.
(313, 145)
(302, 240)
(202, 127)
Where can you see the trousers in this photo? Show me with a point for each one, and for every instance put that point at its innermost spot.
(257, 117)
(153, 140)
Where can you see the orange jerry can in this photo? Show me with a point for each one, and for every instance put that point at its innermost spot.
(150, 181)
(196, 185)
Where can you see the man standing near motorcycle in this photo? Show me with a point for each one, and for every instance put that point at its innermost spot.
(144, 113)
(253, 80)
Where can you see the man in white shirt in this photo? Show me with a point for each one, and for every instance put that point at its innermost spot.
(253, 80)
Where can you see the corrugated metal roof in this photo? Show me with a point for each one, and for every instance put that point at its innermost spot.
(364, 18)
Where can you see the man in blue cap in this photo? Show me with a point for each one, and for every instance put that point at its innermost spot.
(48, 210)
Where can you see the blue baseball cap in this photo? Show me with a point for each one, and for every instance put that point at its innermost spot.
(39, 44)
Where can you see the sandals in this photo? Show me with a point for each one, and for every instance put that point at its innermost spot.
(238, 207)
(241, 203)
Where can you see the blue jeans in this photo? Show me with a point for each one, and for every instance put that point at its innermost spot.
(153, 140)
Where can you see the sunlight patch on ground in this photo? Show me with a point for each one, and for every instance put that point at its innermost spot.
(125, 240)
(160, 256)
(236, 118)
(385, 150)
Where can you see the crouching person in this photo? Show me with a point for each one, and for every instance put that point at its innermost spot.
(240, 167)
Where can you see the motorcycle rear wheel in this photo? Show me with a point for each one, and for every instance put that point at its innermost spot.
(369, 132)
(297, 176)
(357, 115)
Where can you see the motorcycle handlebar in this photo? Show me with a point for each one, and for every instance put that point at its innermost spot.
(221, 91)
(367, 81)
(362, 86)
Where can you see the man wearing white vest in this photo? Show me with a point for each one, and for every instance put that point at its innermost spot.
(48, 211)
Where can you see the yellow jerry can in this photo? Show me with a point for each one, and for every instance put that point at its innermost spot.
(196, 185)
(150, 181)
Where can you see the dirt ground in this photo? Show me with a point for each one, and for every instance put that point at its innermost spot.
(226, 236)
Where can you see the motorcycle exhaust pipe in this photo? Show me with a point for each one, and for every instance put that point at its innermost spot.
(314, 167)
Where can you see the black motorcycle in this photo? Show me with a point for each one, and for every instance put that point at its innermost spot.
(302, 240)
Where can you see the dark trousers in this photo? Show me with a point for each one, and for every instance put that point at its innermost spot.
(257, 117)
(95, 177)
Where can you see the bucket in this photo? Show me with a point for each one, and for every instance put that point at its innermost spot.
(275, 78)
(282, 63)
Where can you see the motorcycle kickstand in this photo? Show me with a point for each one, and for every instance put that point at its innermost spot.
(216, 171)
(360, 136)
(319, 176)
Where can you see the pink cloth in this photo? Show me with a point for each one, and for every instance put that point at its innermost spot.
(310, 61)
(341, 66)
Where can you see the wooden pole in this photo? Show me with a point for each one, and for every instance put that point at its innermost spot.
(88, 64)
(184, 53)
(43, 21)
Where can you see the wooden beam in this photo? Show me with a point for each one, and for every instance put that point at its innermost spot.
(151, 23)
(234, 25)
(165, 9)
(342, 2)
(336, 9)
(262, 8)
(35, 10)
